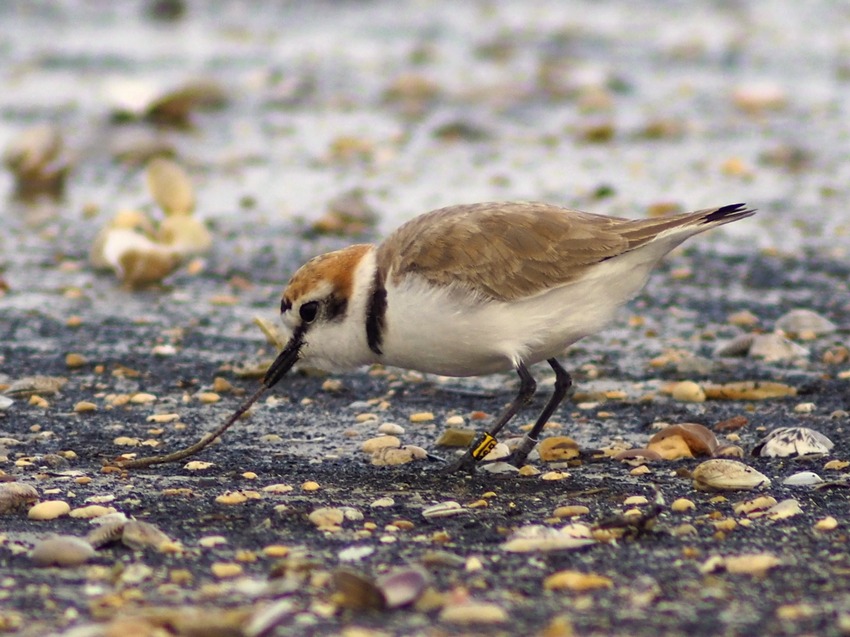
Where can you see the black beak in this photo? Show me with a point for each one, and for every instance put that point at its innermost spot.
(285, 360)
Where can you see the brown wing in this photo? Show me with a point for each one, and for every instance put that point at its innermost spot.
(504, 251)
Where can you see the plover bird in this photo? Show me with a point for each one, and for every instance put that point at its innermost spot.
(476, 289)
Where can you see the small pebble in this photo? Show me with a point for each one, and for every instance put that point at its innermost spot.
(473, 613)
(84, 406)
(325, 517)
(310, 485)
(455, 421)
(91, 511)
(208, 397)
(421, 416)
(688, 391)
(828, 523)
(142, 398)
(576, 581)
(555, 475)
(391, 428)
(226, 570)
(570, 511)
(382, 502)
(49, 510)
(681, 505)
(372, 445)
(74, 360)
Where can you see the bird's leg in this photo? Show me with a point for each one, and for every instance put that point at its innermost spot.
(563, 383)
(483, 443)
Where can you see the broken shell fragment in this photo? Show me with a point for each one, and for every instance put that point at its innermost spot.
(136, 259)
(185, 235)
(403, 586)
(793, 441)
(37, 160)
(443, 510)
(721, 474)
(170, 186)
(749, 390)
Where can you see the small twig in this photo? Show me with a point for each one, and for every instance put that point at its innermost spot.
(198, 446)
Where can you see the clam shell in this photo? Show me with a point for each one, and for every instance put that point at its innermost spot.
(793, 441)
(721, 474)
(62, 550)
(803, 321)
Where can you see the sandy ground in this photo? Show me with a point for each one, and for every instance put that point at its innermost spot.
(618, 108)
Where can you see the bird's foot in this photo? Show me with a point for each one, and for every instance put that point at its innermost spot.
(479, 448)
(520, 453)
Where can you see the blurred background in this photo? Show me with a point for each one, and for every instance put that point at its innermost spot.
(283, 120)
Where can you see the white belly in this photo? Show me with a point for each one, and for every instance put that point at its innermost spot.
(440, 331)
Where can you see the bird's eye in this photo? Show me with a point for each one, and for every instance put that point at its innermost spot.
(308, 311)
(285, 305)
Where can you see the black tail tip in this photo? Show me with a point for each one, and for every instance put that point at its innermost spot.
(729, 213)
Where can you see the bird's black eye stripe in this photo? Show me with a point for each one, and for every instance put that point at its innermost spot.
(285, 305)
(309, 311)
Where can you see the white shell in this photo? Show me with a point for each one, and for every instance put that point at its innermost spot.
(802, 479)
(723, 474)
(792, 441)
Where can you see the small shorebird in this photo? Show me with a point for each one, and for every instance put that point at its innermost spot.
(476, 289)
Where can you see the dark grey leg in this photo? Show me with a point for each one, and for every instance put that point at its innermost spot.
(482, 444)
(563, 382)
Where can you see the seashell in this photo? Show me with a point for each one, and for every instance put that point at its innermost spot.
(557, 448)
(136, 259)
(107, 533)
(170, 186)
(776, 347)
(499, 467)
(802, 479)
(729, 451)
(62, 550)
(801, 321)
(356, 591)
(683, 441)
(141, 535)
(443, 510)
(544, 539)
(499, 451)
(792, 441)
(402, 587)
(185, 235)
(132, 99)
(5, 402)
(380, 442)
(688, 391)
(36, 385)
(721, 474)
(16, 495)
